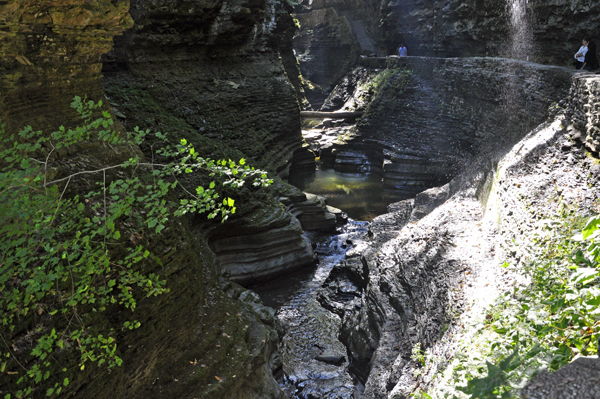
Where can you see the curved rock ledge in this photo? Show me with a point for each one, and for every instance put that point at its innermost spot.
(271, 246)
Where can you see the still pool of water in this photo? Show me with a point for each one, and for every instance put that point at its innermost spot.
(361, 196)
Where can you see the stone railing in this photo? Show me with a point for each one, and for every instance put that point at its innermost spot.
(583, 109)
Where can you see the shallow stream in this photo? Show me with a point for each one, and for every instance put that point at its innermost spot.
(315, 362)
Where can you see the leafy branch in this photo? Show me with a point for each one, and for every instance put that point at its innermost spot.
(65, 258)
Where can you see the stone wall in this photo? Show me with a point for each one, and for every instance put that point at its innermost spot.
(582, 108)
(451, 110)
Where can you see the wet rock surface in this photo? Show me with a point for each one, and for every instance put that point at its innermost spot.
(416, 276)
(315, 361)
(433, 278)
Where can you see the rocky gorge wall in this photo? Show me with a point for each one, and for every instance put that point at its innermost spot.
(452, 28)
(331, 36)
(205, 338)
(49, 52)
(432, 266)
(547, 32)
(213, 71)
(224, 77)
(431, 116)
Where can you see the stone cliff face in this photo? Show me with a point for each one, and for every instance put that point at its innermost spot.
(433, 263)
(223, 76)
(452, 28)
(582, 110)
(332, 35)
(547, 32)
(50, 51)
(215, 71)
(431, 116)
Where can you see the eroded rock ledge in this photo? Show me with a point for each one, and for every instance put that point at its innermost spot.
(432, 269)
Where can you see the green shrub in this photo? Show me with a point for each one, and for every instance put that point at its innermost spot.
(547, 323)
(66, 258)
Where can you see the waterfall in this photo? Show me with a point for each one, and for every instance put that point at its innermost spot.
(521, 32)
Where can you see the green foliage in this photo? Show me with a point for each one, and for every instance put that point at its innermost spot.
(396, 78)
(556, 317)
(417, 354)
(66, 258)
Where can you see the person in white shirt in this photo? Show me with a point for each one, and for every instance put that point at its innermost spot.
(580, 54)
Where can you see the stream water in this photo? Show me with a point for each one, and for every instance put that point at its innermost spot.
(361, 196)
(315, 362)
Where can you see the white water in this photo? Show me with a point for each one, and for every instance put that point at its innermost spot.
(521, 44)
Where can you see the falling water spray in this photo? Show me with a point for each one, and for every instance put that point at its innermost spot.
(520, 30)
(520, 46)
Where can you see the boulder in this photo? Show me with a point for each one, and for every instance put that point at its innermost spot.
(580, 377)
(426, 201)
(315, 215)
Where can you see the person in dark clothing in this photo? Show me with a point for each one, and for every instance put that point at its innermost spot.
(591, 61)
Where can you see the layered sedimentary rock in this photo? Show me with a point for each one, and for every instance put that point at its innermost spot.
(332, 35)
(271, 245)
(199, 339)
(213, 71)
(314, 214)
(50, 52)
(326, 47)
(538, 31)
(431, 116)
(223, 76)
(453, 28)
(427, 256)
